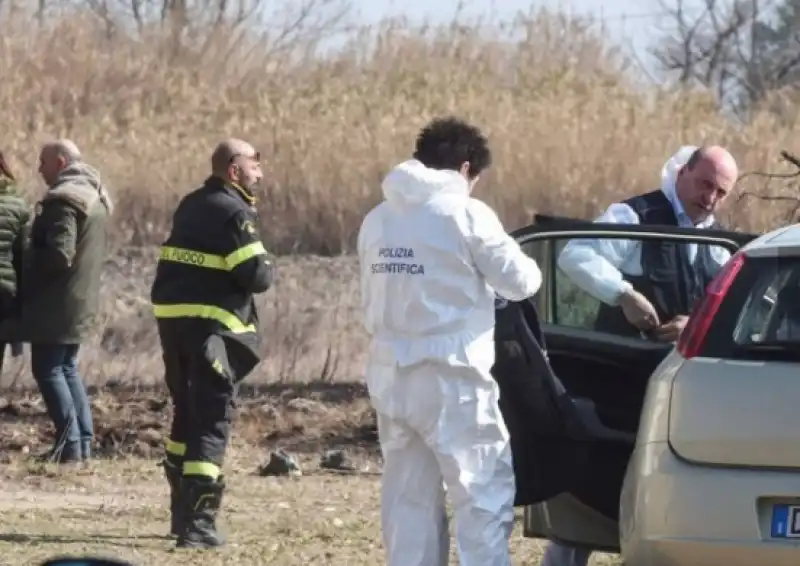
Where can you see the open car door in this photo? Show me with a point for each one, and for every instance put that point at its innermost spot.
(574, 488)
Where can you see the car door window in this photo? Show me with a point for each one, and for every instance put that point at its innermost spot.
(579, 290)
(573, 306)
(771, 311)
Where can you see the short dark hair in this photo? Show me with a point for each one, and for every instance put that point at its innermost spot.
(446, 143)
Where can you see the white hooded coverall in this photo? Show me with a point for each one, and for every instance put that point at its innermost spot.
(431, 260)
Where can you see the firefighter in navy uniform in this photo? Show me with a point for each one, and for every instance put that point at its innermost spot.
(210, 267)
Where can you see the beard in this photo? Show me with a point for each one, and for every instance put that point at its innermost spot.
(250, 186)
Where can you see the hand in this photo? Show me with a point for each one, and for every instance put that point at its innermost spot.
(639, 311)
(671, 331)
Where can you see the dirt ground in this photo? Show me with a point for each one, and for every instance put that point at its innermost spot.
(116, 506)
(118, 509)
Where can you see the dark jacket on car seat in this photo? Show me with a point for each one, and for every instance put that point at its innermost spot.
(553, 444)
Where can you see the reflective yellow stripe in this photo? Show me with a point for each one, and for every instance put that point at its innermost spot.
(226, 319)
(244, 253)
(176, 448)
(206, 469)
(217, 366)
(210, 261)
(191, 257)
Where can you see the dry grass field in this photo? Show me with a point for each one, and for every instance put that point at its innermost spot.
(571, 130)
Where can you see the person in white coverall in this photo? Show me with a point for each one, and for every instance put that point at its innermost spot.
(694, 183)
(432, 260)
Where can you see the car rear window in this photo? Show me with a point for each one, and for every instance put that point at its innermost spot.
(760, 317)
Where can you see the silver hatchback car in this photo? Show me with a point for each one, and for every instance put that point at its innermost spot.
(694, 456)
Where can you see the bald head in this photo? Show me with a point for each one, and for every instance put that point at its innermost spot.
(706, 181)
(717, 157)
(56, 156)
(237, 162)
(64, 148)
(227, 151)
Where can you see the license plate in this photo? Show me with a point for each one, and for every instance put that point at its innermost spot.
(786, 521)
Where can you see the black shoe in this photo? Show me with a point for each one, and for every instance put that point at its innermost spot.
(202, 500)
(173, 472)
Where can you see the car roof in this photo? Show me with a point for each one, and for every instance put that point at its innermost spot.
(783, 241)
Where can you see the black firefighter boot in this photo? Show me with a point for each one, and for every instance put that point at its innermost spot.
(203, 497)
(176, 504)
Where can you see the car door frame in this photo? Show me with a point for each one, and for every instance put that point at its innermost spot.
(548, 229)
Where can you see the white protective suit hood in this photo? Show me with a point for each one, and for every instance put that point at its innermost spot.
(411, 183)
(669, 172)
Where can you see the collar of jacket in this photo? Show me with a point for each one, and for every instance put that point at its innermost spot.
(7, 186)
(244, 194)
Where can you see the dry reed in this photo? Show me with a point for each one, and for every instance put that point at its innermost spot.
(570, 129)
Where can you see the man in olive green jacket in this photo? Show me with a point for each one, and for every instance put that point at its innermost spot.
(67, 251)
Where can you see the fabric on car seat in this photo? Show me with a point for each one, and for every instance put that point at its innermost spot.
(554, 447)
(537, 409)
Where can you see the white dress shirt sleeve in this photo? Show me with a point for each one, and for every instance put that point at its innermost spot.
(594, 264)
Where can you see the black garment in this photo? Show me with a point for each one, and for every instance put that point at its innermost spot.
(547, 437)
(203, 389)
(555, 448)
(211, 265)
(174, 474)
(202, 386)
(669, 281)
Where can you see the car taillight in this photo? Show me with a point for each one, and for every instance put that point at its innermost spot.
(693, 336)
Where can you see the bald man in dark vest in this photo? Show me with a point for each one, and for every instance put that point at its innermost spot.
(649, 287)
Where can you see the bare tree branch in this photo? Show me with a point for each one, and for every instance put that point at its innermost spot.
(41, 12)
(255, 29)
(792, 214)
(720, 48)
(138, 16)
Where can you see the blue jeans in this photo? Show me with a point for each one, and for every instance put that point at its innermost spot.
(560, 555)
(55, 369)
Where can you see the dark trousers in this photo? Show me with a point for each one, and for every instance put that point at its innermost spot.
(55, 369)
(203, 393)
